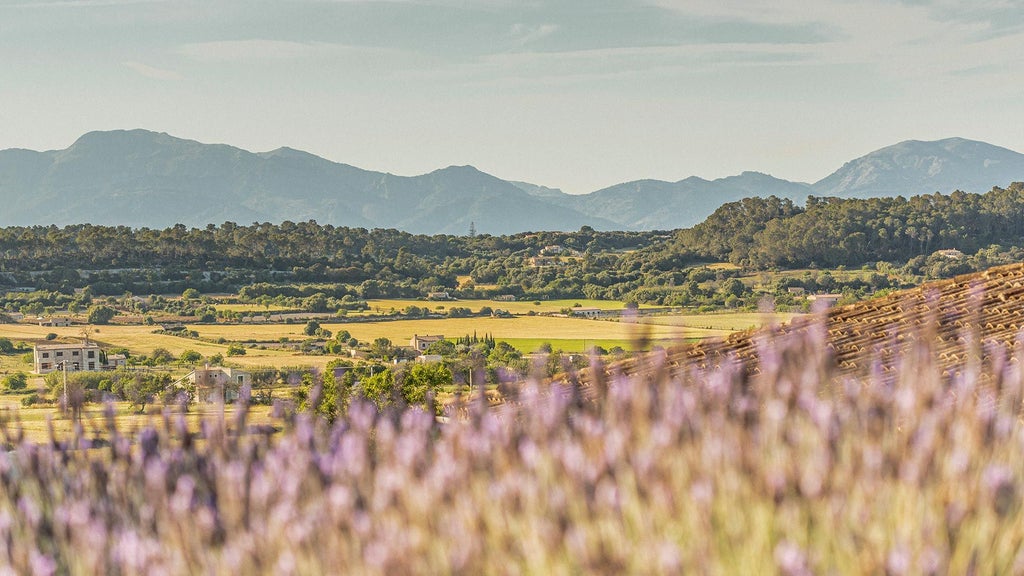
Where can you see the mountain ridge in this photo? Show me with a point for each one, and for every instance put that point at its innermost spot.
(142, 178)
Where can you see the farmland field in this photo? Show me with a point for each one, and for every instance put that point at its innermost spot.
(541, 328)
(524, 332)
(254, 308)
(36, 421)
(699, 325)
(515, 307)
(141, 340)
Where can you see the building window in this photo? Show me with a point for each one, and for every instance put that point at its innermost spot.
(92, 354)
(60, 354)
(75, 353)
(92, 365)
(46, 354)
(44, 366)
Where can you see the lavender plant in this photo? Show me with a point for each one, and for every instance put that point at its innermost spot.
(787, 467)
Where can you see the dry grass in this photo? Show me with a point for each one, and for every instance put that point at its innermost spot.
(516, 307)
(253, 308)
(701, 325)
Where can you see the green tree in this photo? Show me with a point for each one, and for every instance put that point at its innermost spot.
(16, 381)
(101, 314)
(190, 356)
(424, 378)
(442, 348)
(161, 356)
(379, 387)
(236, 350)
(312, 328)
(142, 388)
(381, 347)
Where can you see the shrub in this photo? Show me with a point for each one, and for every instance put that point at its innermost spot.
(15, 382)
(32, 400)
(236, 350)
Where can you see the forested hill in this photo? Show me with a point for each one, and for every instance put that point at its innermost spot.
(903, 237)
(829, 232)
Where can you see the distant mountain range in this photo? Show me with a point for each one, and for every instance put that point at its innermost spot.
(147, 179)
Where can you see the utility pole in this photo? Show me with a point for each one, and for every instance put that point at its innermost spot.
(64, 368)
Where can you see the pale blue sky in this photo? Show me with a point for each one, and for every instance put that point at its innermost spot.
(573, 94)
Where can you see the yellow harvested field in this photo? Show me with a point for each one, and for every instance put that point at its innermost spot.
(696, 324)
(35, 421)
(401, 331)
(571, 332)
(723, 266)
(257, 308)
(515, 307)
(141, 340)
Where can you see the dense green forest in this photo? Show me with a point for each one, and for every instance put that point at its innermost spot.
(829, 232)
(323, 267)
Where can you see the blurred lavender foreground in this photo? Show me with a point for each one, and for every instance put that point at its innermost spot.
(787, 464)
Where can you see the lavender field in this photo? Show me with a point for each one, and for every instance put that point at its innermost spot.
(790, 468)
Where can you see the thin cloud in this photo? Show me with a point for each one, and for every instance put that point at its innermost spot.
(152, 71)
(524, 34)
(273, 50)
(77, 3)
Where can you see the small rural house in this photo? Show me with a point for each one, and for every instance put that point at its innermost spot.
(216, 383)
(115, 361)
(587, 312)
(951, 253)
(828, 300)
(72, 357)
(55, 321)
(421, 343)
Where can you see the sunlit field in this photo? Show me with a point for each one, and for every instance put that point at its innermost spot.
(525, 332)
(794, 469)
(37, 422)
(721, 323)
(253, 308)
(515, 307)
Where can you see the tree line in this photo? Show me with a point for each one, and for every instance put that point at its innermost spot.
(829, 232)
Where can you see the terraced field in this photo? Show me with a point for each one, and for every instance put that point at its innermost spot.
(977, 317)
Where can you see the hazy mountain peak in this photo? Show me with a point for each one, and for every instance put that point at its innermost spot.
(923, 167)
(144, 178)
